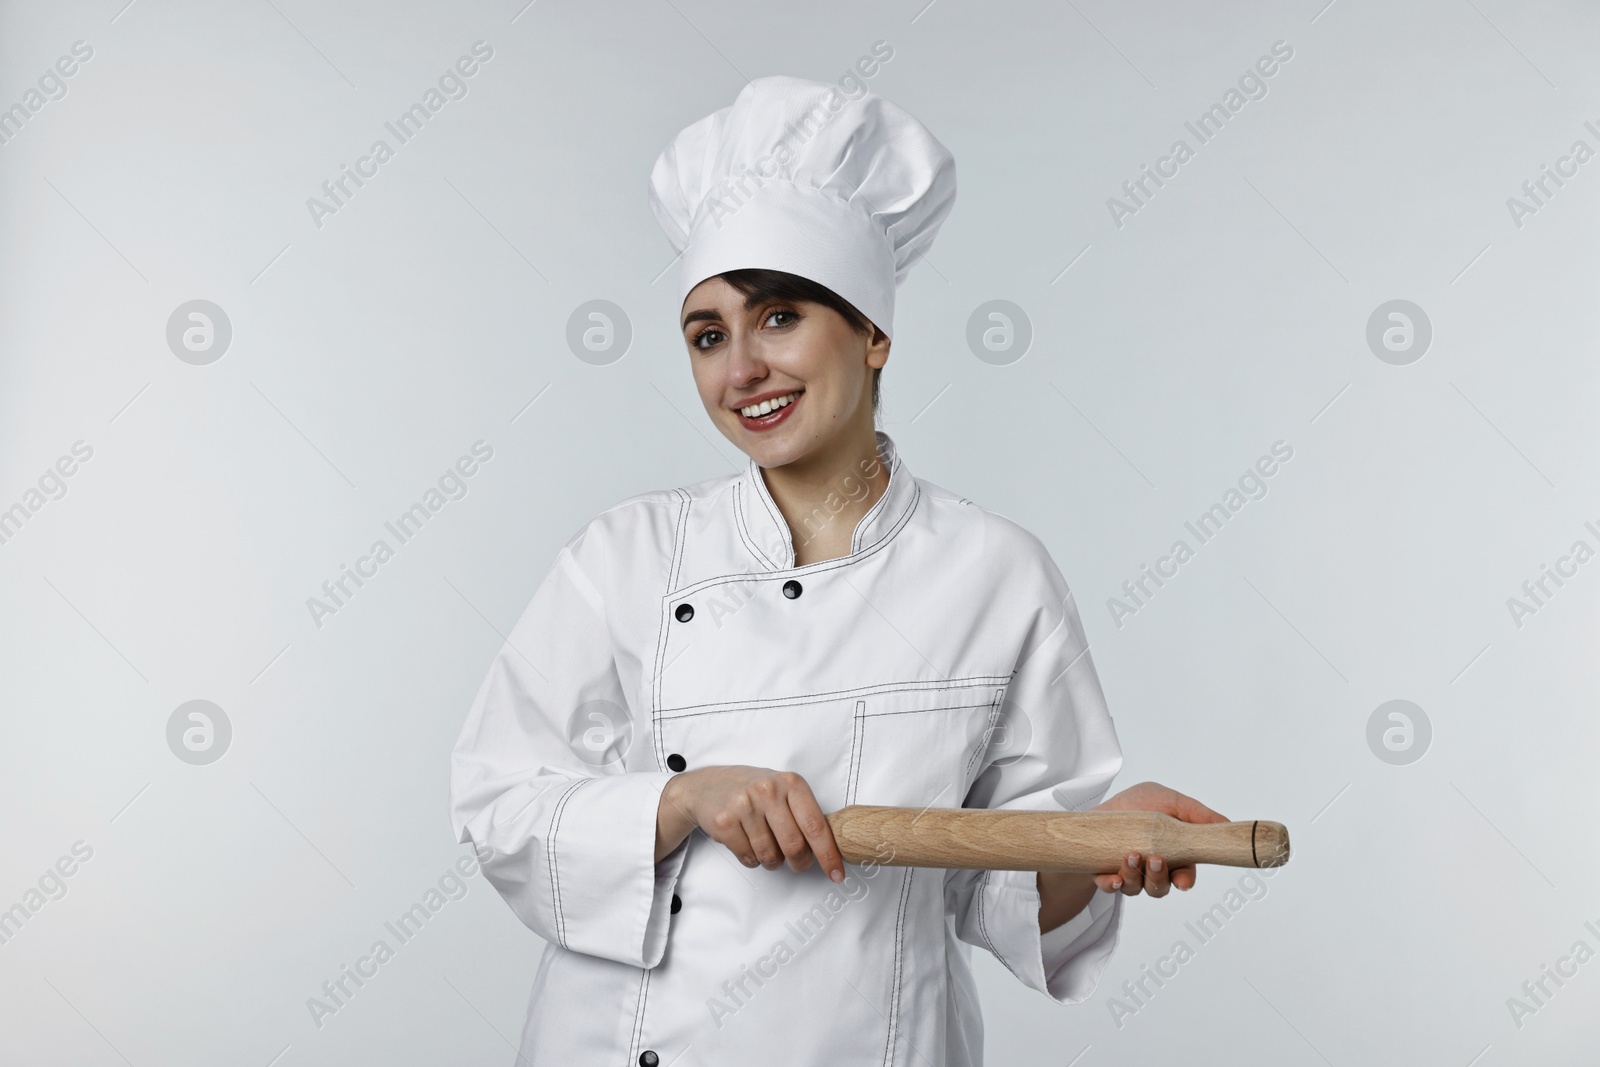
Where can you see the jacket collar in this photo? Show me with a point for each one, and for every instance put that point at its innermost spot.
(766, 534)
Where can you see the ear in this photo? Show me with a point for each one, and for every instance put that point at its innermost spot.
(877, 348)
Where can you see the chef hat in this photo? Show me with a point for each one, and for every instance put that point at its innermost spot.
(797, 176)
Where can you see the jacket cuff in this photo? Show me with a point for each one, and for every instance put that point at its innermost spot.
(1065, 963)
(666, 879)
(1077, 952)
(609, 895)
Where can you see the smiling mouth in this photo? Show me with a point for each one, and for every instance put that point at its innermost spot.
(768, 413)
(755, 411)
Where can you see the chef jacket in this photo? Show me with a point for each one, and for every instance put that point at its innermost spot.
(942, 663)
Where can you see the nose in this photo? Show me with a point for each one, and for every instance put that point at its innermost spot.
(745, 365)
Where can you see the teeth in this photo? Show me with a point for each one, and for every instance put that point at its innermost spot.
(767, 407)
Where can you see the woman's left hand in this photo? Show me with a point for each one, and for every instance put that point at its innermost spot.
(1151, 873)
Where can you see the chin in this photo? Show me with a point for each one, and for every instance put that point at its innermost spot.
(771, 454)
(776, 448)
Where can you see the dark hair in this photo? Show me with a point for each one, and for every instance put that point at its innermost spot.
(756, 284)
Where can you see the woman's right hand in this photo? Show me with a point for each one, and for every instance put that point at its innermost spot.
(762, 816)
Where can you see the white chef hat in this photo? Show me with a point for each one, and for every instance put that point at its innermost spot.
(797, 176)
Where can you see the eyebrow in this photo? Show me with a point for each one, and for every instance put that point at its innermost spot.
(712, 315)
(704, 314)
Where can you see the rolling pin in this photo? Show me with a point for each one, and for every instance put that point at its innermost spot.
(1077, 842)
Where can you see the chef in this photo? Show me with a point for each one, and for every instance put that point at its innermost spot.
(705, 671)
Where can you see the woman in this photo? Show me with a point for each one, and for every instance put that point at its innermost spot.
(706, 671)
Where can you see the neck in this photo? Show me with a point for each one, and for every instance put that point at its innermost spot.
(823, 497)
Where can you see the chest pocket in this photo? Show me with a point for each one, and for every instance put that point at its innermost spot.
(810, 736)
(912, 744)
(921, 745)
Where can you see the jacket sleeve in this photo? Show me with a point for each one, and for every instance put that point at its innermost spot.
(572, 837)
(1054, 747)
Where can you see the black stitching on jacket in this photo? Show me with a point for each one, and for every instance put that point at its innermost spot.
(778, 520)
(664, 627)
(638, 1018)
(877, 506)
(899, 963)
(975, 681)
(744, 529)
(983, 741)
(983, 927)
(853, 774)
(550, 858)
(813, 568)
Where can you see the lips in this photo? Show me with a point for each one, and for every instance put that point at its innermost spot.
(769, 411)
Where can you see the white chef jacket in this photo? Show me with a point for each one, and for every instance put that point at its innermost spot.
(675, 631)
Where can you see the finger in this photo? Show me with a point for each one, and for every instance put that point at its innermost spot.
(1131, 875)
(727, 830)
(819, 835)
(790, 839)
(1156, 877)
(1188, 809)
(762, 841)
(1183, 877)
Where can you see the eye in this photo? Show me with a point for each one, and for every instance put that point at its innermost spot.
(709, 331)
(793, 317)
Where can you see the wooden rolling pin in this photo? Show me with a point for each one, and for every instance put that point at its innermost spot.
(1079, 842)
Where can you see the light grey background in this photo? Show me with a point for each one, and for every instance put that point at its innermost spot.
(1168, 354)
